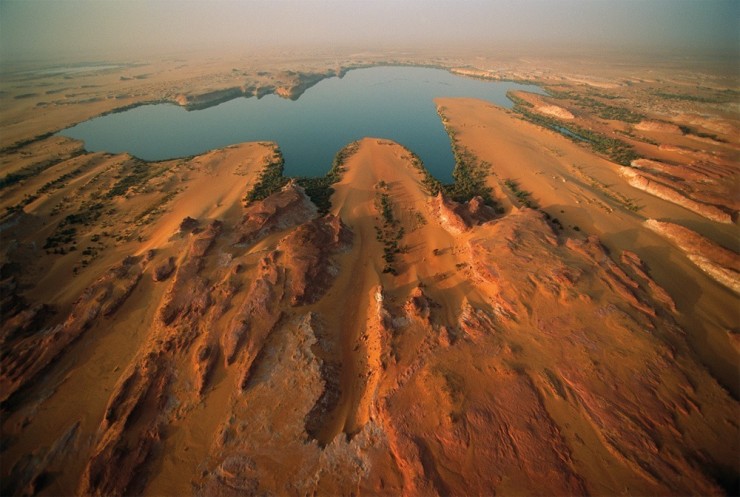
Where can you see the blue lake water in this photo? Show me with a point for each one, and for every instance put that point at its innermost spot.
(569, 133)
(383, 102)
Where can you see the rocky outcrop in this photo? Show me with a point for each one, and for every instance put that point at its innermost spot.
(288, 207)
(189, 292)
(522, 265)
(302, 82)
(299, 272)
(712, 123)
(317, 418)
(450, 214)
(164, 270)
(257, 313)
(418, 304)
(516, 244)
(479, 212)
(140, 406)
(458, 217)
(295, 84)
(188, 225)
(614, 276)
(19, 317)
(28, 476)
(124, 446)
(474, 73)
(693, 172)
(660, 190)
(516, 361)
(695, 175)
(27, 356)
(640, 269)
(308, 257)
(721, 264)
(476, 323)
(209, 99)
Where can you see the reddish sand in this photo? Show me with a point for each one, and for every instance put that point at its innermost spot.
(160, 337)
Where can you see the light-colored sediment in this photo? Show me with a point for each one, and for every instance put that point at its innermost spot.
(555, 111)
(718, 262)
(659, 126)
(640, 181)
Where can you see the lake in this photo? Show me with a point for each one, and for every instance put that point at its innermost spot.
(382, 102)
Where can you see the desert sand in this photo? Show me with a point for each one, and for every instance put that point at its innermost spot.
(163, 336)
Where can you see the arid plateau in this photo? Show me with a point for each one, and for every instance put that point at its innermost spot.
(560, 320)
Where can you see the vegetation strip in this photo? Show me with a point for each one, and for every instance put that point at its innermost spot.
(524, 197)
(618, 151)
(391, 233)
(34, 169)
(271, 178)
(320, 189)
(469, 173)
(719, 97)
(601, 109)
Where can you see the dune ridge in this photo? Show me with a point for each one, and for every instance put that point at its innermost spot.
(484, 342)
(164, 333)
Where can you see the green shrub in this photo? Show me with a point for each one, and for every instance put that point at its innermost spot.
(271, 178)
(618, 151)
(320, 189)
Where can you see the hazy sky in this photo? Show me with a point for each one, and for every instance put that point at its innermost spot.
(37, 28)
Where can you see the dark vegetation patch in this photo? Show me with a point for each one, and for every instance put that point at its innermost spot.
(469, 173)
(617, 150)
(600, 109)
(64, 238)
(320, 189)
(717, 97)
(20, 144)
(32, 170)
(390, 232)
(27, 199)
(271, 178)
(132, 176)
(135, 174)
(61, 238)
(48, 187)
(481, 76)
(687, 130)
(523, 197)
(517, 100)
(470, 177)
(641, 138)
(60, 181)
(431, 184)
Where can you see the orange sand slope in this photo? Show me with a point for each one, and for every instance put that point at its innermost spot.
(223, 349)
(586, 193)
(161, 335)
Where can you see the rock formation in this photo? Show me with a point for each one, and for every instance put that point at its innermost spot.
(262, 350)
(720, 263)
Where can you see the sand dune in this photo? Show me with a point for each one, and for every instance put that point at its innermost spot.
(161, 335)
(454, 355)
